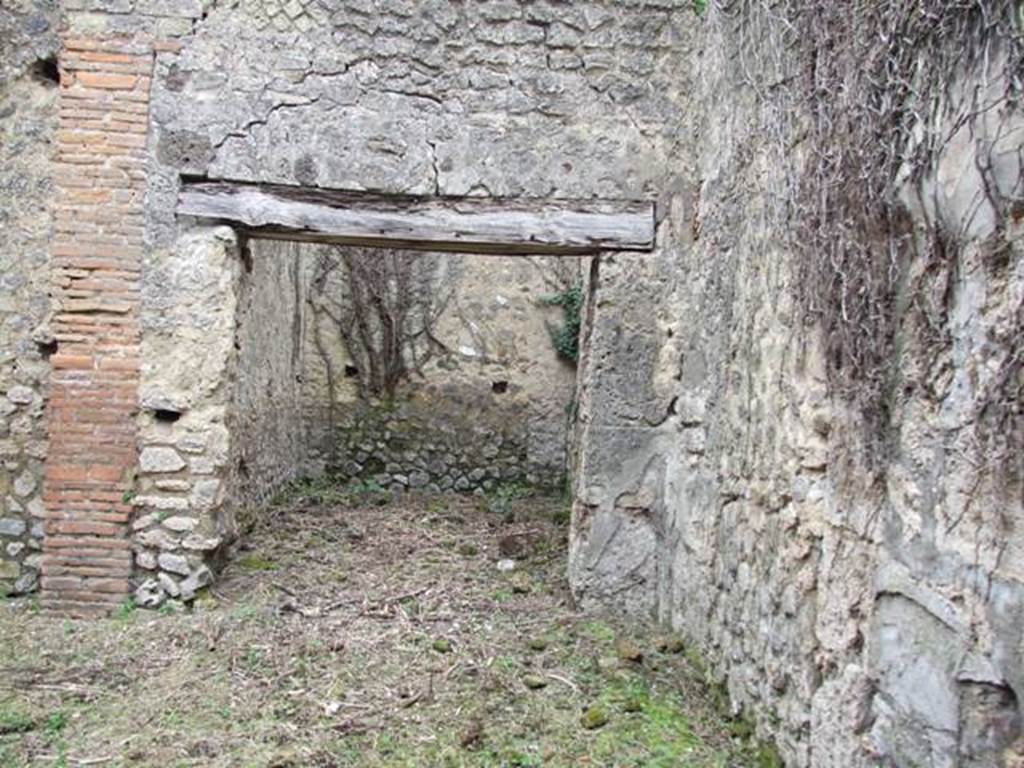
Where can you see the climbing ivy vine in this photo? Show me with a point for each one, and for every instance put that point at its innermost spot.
(566, 337)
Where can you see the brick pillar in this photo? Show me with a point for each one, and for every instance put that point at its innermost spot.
(99, 176)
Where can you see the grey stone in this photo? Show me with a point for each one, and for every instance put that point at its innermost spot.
(149, 594)
(36, 508)
(179, 524)
(199, 579)
(173, 484)
(145, 521)
(168, 584)
(174, 563)
(12, 526)
(159, 459)
(25, 483)
(198, 543)
(145, 560)
(27, 582)
(162, 503)
(184, 150)
(20, 395)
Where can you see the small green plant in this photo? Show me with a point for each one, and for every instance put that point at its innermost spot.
(14, 721)
(437, 506)
(256, 563)
(506, 664)
(366, 491)
(499, 501)
(566, 338)
(125, 610)
(55, 723)
(767, 756)
(254, 659)
(599, 632)
(700, 7)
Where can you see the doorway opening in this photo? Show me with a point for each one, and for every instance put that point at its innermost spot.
(390, 344)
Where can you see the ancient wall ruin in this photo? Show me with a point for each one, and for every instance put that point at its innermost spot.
(402, 99)
(858, 592)
(28, 118)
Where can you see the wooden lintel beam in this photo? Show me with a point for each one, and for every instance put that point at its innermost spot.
(475, 225)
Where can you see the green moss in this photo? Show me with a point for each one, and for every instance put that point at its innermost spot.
(256, 563)
(13, 719)
(594, 717)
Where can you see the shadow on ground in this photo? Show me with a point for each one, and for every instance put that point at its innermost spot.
(360, 630)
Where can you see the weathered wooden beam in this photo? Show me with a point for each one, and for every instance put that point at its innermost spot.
(475, 225)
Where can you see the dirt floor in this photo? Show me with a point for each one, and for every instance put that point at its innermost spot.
(353, 629)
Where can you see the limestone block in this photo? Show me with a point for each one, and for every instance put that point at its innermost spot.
(198, 543)
(164, 503)
(145, 560)
(168, 584)
(179, 524)
(159, 459)
(36, 508)
(25, 484)
(200, 578)
(27, 582)
(150, 594)
(158, 539)
(20, 395)
(174, 563)
(206, 493)
(12, 526)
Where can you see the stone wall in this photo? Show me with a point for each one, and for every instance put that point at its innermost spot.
(536, 99)
(183, 519)
(265, 418)
(28, 120)
(863, 612)
(858, 621)
(487, 401)
(513, 99)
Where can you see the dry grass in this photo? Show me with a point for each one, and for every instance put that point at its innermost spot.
(375, 634)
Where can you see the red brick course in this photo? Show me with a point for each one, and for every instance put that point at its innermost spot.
(99, 176)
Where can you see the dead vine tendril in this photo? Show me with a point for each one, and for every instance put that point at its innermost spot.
(859, 102)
